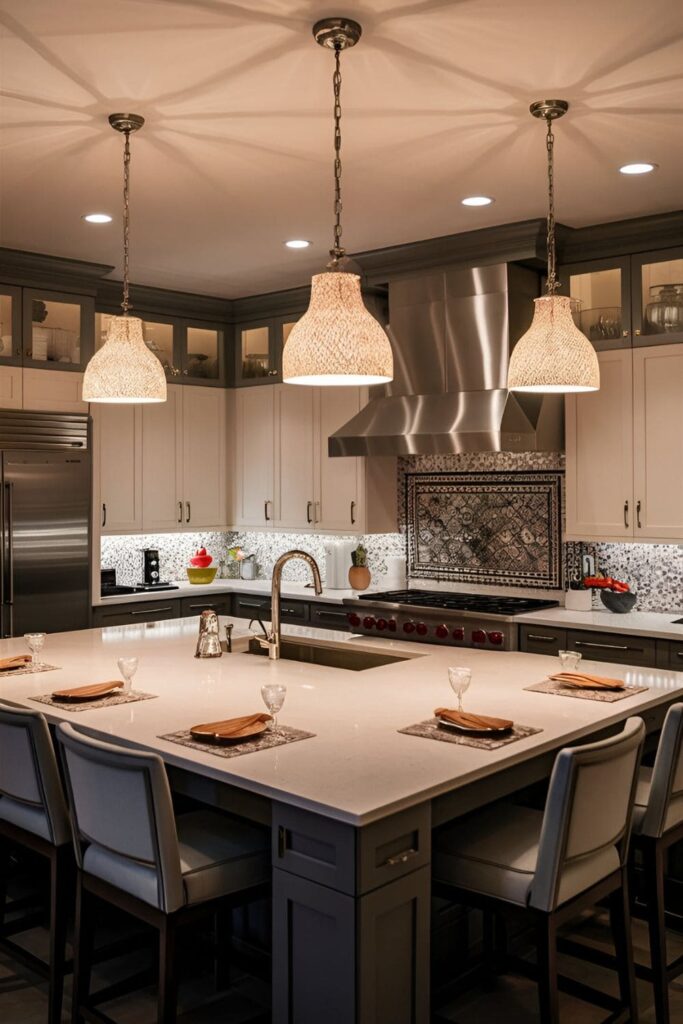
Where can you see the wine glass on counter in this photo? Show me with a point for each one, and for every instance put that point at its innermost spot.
(36, 642)
(274, 697)
(127, 667)
(460, 678)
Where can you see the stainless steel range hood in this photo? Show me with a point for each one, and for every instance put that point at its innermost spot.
(451, 334)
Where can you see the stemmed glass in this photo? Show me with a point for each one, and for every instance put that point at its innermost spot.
(274, 697)
(459, 678)
(35, 643)
(127, 667)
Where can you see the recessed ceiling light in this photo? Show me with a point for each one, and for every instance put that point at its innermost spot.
(641, 168)
(477, 201)
(97, 218)
(297, 243)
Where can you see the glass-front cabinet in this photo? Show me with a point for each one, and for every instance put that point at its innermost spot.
(657, 285)
(602, 307)
(57, 329)
(10, 324)
(187, 349)
(258, 349)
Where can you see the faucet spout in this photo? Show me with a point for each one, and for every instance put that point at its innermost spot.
(274, 640)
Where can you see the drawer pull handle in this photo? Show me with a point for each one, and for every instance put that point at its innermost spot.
(400, 858)
(291, 611)
(189, 512)
(353, 513)
(180, 511)
(104, 513)
(606, 647)
(543, 639)
(339, 615)
(626, 514)
(281, 841)
(679, 654)
(207, 606)
(266, 503)
(639, 505)
(253, 604)
(309, 506)
(152, 611)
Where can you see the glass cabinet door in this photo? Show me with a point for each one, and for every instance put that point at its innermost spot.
(601, 301)
(58, 329)
(657, 284)
(159, 336)
(203, 355)
(10, 324)
(255, 354)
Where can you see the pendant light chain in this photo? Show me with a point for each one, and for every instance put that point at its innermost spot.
(552, 282)
(336, 252)
(125, 305)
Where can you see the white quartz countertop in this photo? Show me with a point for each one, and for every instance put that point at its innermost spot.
(358, 767)
(654, 624)
(261, 587)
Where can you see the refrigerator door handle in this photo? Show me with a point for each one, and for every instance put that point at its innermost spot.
(9, 561)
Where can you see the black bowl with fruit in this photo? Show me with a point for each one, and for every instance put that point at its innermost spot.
(614, 594)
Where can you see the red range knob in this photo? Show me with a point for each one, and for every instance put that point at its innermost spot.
(421, 629)
(354, 620)
(408, 627)
(496, 638)
(459, 633)
(368, 622)
(392, 625)
(382, 623)
(478, 636)
(441, 631)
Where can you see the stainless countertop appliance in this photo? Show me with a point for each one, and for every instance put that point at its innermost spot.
(44, 522)
(442, 617)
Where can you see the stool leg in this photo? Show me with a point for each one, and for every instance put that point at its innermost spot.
(84, 935)
(548, 996)
(620, 921)
(59, 909)
(654, 881)
(168, 986)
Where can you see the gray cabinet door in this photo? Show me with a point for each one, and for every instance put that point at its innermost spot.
(130, 614)
(253, 606)
(329, 616)
(542, 639)
(615, 647)
(221, 604)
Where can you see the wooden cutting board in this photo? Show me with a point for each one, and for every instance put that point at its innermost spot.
(92, 692)
(232, 730)
(18, 661)
(473, 723)
(585, 681)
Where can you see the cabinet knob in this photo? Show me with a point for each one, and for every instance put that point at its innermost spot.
(174, 371)
(272, 373)
(637, 333)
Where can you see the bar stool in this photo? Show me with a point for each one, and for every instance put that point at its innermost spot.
(133, 852)
(33, 815)
(544, 867)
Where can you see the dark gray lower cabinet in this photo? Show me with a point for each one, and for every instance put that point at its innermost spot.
(251, 606)
(222, 605)
(542, 639)
(142, 611)
(329, 616)
(351, 909)
(620, 648)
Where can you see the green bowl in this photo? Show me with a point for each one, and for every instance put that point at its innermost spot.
(197, 575)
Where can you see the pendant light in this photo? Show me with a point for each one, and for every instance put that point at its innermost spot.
(124, 369)
(337, 341)
(554, 356)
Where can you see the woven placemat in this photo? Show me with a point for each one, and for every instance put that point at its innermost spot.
(606, 696)
(31, 670)
(91, 705)
(431, 730)
(266, 741)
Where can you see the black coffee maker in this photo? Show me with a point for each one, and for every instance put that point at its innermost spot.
(151, 571)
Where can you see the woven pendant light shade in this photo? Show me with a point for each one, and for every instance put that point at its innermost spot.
(337, 341)
(124, 369)
(553, 356)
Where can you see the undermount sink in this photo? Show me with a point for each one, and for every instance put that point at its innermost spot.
(331, 657)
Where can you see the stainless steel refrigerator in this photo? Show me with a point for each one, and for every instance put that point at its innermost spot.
(45, 513)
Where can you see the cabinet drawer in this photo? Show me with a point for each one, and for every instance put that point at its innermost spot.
(624, 650)
(221, 604)
(250, 606)
(542, 639)
(329, 616)
(674, 655)
(129, 614)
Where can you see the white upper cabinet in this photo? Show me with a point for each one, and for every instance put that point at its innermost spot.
(254, 456)
(658, 433)
(599, 438)
(204, 457)
(625, 449)
(163, 506)
(295, 449)
(340, 505)
(117, 434)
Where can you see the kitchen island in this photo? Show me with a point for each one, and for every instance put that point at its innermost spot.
(352, 809)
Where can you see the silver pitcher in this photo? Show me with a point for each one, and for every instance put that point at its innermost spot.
(208, 641)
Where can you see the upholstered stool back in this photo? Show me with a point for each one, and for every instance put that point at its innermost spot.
(123, 817)
(665, 802)
(31, 795)
(587, 814)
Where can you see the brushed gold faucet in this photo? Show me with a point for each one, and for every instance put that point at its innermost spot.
(272, 641)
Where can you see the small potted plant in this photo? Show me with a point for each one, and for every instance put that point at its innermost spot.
(359, 574)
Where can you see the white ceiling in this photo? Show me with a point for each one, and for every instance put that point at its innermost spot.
(235, 156)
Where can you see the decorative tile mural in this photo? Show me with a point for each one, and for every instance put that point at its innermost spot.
(489, 528)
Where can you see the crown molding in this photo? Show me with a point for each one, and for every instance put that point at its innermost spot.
(42, 270)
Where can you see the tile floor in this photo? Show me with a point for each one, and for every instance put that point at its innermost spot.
(23, 996)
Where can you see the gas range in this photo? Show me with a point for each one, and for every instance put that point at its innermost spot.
(442, 617)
